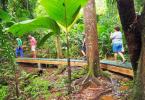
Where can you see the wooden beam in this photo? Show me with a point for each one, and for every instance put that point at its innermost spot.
(117, 67)
(52, 61)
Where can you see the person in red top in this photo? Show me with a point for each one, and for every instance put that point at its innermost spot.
(33, 44)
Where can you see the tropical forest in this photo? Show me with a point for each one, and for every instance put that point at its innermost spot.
(72, 50)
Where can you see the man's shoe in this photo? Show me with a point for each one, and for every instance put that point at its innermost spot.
(124, 61)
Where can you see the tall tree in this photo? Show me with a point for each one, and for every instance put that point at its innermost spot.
(91, 36)
(139, 90)
(91, 42)
(132, 30)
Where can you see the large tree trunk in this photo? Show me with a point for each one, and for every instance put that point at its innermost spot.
(91, 40)
(131, 29)
(140, 81)
(91, 45)
(91, 37)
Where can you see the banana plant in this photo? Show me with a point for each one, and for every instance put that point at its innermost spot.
(64, 12)
(20, 28)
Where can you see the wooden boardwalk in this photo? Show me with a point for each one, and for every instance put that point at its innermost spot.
(114, 66)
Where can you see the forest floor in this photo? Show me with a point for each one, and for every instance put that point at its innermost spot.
(120, 86)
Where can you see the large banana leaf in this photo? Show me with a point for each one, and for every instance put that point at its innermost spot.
(20, 28)
(43, 40)
(4, 16)
(63, 11)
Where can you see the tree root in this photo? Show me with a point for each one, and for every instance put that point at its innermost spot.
(87, 80)
(60, 69)
(103, 93)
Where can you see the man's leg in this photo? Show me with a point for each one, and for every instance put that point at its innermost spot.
(33, 48)
(21, 52)
(115, 56)
(84, 54)
(34, 54)
(17, 51)
(122, 56)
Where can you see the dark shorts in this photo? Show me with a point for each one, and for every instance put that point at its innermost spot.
(83, 48)
(117, 47)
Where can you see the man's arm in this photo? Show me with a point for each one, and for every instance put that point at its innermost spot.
(112, 36)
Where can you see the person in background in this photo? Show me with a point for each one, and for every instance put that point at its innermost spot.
(83, 49)
(33, 44)
(117, 43)
(19, 49)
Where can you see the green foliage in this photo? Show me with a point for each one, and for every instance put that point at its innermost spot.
(20, 28)
(3, 92)
(138, 5)
(110, 3)
(105, 74)
(100, 6)
(76, 74)
(40, 10)
(4, 16)
(21, 10)
(63, 11)
(61, 82)
(38, 87)
(76, 37)
(43, 40)
(6, 51)
(7, 61)
(128, 84)
(106, 24)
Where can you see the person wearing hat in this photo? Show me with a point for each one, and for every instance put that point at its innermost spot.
(19, 49)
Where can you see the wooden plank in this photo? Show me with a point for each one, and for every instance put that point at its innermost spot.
(116, 69)
(51, 61)
(117, 63)
(105, 64)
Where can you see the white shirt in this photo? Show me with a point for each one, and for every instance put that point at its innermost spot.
(116, 37)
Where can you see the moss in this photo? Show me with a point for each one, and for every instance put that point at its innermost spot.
(104, 74)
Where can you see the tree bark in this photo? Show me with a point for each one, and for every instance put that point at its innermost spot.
(139, 91)
(132, 30)
(91, 38)
(92, 51)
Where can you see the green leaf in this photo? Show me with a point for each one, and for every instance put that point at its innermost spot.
(4, 16)
(43, 40)
(20, 28)
(63, 11)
